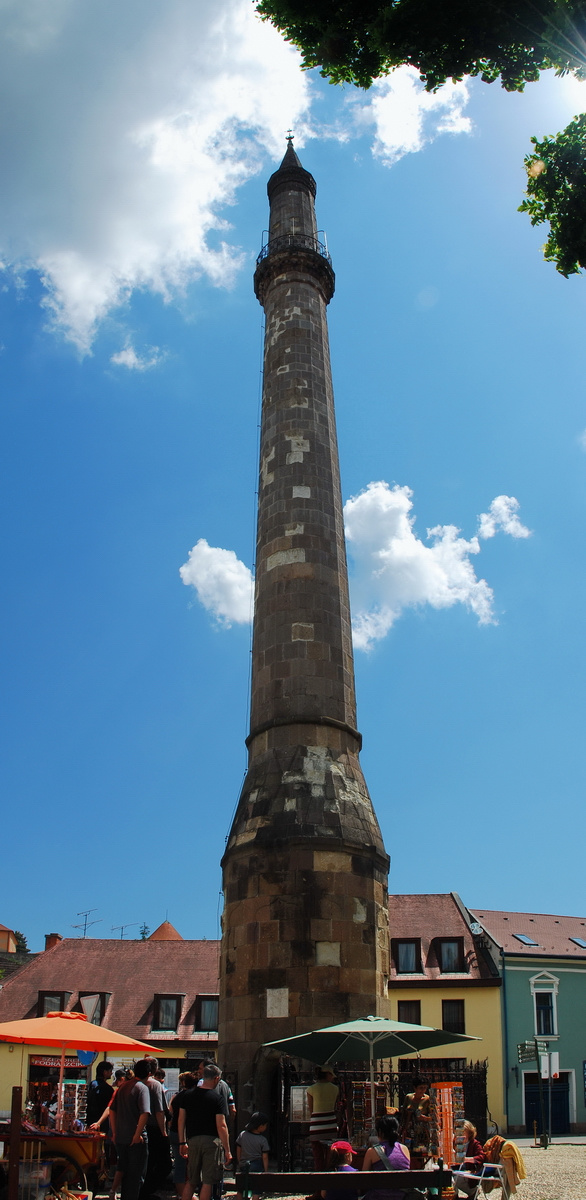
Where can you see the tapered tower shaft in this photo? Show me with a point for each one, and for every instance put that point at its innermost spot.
(305, 930)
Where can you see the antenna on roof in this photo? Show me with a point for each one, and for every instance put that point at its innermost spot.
(85, 923)
(128, 925)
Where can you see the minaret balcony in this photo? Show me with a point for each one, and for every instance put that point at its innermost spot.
(294, 241)
(294, 250)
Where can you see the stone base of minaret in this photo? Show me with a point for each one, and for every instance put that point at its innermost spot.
(306, 941)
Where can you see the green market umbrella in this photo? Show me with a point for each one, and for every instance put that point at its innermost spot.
(366, 1039)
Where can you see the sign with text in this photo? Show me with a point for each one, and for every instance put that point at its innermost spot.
(529, 1050)
(52, 1060)
(526, 1052)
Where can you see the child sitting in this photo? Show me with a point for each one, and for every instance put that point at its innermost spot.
(340, 1159)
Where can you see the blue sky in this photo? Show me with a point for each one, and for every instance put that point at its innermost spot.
(130, 383)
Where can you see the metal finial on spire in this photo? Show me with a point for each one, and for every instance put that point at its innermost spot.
(289, 135)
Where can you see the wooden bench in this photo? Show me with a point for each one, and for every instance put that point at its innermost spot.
(307, 1183)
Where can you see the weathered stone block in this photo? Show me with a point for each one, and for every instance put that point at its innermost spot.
(269, 931)
(331, 860)
(324, 980)
(259, 981)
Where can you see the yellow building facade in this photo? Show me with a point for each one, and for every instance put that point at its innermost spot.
(442, 975)
(483, 1020)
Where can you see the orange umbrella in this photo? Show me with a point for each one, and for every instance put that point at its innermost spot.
(68, 1030)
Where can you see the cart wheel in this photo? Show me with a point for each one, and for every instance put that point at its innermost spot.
(65, 1172)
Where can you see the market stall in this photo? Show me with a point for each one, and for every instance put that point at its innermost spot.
(71, 1149)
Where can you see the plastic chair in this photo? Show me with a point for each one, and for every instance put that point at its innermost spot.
(493, 1175)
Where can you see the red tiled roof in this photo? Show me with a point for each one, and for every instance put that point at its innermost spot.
(6, 929)
(429, 917)
(551, 933)
(132, 972)
(165, 933)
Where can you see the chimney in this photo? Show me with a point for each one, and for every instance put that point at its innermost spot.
(52, 939)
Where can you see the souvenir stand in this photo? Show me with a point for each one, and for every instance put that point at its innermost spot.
(360, 1116)
(447, 1121)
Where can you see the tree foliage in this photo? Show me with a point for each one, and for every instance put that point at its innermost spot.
(21, 942)
(556, 192)
(355, 41)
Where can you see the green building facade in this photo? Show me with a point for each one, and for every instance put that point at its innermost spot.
(542, 961)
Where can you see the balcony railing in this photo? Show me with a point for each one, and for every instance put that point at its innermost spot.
(294, 241)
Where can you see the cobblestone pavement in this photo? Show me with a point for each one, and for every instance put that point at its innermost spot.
(558, 1173)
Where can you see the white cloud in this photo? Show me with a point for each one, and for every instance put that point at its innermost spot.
(133, 125)
(395, 570)
(406, 117)
(223, 584)
(502, 515)
(131, 128)
(135, 362)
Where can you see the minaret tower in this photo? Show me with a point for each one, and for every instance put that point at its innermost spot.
(305, 926)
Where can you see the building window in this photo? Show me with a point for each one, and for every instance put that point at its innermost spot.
(167, 1011)
(409, 1011)
(453, 1016)
(408, 957)
(544, 989)
(100, 1009)
(544, 1016)
(207, 1012)
(451, 956)
(52, 1002)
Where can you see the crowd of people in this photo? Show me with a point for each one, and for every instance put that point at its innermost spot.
(151, 1137)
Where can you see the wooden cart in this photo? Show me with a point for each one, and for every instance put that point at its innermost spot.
(72, 1155)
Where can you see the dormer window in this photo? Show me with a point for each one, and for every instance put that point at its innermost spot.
(407, 955)
(207, 1014)
(95, 1006)
(450, 956)
(52, 1002)
(167, 1011)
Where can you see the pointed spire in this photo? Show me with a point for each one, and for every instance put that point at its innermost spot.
(290, 158)
(291, 173)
